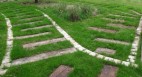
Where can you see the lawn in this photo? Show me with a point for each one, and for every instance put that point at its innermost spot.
(105, 27)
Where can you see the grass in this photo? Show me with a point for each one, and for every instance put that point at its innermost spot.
(80, 32)
(3, 37)
(84, 65)
(19, 24)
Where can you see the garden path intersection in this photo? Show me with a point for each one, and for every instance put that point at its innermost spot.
(40, 31)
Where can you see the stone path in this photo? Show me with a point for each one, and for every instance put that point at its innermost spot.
(61, 71)
(42, 56)
(105, 50)
(108, 71)
(125, 13)
(116, 15)
(102, 30)
(6, 60)
(34, 35)
(135, 44)
(76, 46)
(137, 13)
(29, 23)
(39, 27)
(120, 26)
(81, 48)
(32, 45)
(114, 20)
(112, 41)
(25, 19)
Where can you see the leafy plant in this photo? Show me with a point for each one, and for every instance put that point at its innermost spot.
(74, 12)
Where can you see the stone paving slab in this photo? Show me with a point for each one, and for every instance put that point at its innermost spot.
(137, 13)
(129, 14)
(40, 27)
(120, 26)
(27, 16)
(32, 45)
(105, 50)
(28, 23)
(43, 56)
(30, 18)
(61, 71)
(108, 71)
(34, 35)
(102, 30)
(114, 20)
(117, 15)
(112, 41)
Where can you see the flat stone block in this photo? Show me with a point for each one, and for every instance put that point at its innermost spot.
(108, 71)
(105, 50)
(61, 71)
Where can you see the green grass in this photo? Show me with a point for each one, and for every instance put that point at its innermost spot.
(19, 24)
(3, 37)
(83, 64)
(80, 32)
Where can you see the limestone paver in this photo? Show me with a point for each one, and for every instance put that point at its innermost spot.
(120, 26)
(40, 27)
(116, 15)
(129, 14)
(114, 20)
(135, 44)
(105, 50)
(42, 56)
(102, 30)
(61, 71)
(32, 45)
(112, 41)
(109, 71)
(6, 60)
(34, 35)
(28, 23)
(137, 13)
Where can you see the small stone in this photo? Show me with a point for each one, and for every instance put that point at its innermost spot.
(100, 56)
(117, 61)
(131, 57)
(133, 53)
(132, 60)
(92, 53)
(125, 63)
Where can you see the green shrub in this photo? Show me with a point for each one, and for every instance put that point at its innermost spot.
(86, 10)
(74, 12)
(61, 8)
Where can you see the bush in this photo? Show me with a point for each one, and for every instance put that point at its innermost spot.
(61, 8)
(74, 12)
(86, 10)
